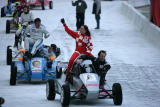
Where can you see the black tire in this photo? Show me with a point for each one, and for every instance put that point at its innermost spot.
(1, 101)
(117, 94)
(7, 26)
(50, 90)
(42, 5)
(58, 72)
(2, 12)
(50, 4)
(13, 74)
(9, 55)
(65, 95)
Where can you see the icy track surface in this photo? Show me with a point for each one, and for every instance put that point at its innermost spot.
(135, 61)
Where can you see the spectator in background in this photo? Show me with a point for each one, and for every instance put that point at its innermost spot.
(80, 12)
(97, 11)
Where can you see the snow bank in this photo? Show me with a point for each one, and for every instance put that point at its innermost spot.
(151, 32)
(138, 3)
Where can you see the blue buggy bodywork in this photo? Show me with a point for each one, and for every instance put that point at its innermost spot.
(33, 70)
(7, 10)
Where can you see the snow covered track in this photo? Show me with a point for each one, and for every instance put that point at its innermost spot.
(135, 60)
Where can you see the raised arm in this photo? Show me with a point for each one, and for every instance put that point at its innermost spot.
(69, 31)
(74, 3)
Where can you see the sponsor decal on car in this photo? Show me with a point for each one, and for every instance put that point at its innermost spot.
(90, 77)
(92, 85)
(36, 65)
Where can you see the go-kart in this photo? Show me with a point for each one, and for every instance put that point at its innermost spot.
(11, 8)
(12, 25)
(7, 10)
(40, 3)
(14, 51)
(36, 68)
(83, 84)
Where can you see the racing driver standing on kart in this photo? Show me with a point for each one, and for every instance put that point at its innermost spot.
(34, 36)
(83, 44)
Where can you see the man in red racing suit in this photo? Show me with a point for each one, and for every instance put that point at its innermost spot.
(83, 43)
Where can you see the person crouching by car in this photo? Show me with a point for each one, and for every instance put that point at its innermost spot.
(100, 64)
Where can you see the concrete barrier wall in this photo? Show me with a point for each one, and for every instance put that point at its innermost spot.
(150, 31)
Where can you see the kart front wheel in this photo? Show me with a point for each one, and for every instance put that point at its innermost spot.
(8, 26)
(9, 55)
(2, 12)
(50, 4)
(13, 74)
(50, 90)
(117, 94)
(65, 95)
(2, 100)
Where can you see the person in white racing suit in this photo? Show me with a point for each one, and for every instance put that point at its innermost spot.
(26, 18)
(34, 36)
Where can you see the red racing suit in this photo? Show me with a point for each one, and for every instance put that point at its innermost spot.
(83, 46)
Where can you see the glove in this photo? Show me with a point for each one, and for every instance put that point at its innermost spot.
(62, 21)
(106, 67)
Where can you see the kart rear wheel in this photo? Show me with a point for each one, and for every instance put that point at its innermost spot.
(50, 4)
(50, 90)
(9, 55)
(65, 95)
(2, 12)
(58, 72)
(7, 26)
(13, 74)
(117, 94)
(42, 5)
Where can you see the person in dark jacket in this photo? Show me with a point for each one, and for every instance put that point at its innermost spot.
(97, 11)
(80, 12)
(100, 64)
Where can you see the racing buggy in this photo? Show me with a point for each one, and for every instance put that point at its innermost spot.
(83, 84)
(12, 25)
(40, 3)
(11, 8)
(34, 69)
